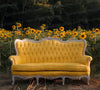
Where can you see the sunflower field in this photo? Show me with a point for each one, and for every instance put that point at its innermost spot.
(7, 38)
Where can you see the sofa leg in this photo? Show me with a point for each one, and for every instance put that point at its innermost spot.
(63, 80)
(37, 80)
(13, 79)
(88, 78)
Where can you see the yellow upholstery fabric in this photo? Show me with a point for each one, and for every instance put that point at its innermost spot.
(17, 59)
(24, 59)
(73, 67)
(50, 58)
(50, 51)
(51, 73)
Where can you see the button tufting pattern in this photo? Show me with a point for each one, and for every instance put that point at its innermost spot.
(50, 51)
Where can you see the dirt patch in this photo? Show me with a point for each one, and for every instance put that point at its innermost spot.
(30, 84)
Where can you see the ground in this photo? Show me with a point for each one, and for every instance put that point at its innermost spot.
(30, 84)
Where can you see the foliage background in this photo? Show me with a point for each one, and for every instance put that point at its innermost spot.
(54, 13)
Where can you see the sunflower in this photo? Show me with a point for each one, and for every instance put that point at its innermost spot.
(79, 27)
(29, 28)
(74, 29)
(43, 25)
(56, 29)
(40, 31)
(92, 36)
(62, 34)
(13, 27)
(32, 30)
(56, 32)
(49, 34)
(69, 33)
(88, 32)
(49, 31)
(3, 30)
(54, 36)
(82, 35)
(61, 28)
(37, 31)
(15, 32)
(66, 31)
(27, 32)
(25, 28)
(2, 35)
(9, 36)
(36, 36)
(19, 25)
(75, 33)
(96, 30)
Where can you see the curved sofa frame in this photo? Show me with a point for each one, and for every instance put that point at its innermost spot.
(50, 77)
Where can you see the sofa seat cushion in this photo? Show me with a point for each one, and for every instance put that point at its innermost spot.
(51, 73)
(29, 67)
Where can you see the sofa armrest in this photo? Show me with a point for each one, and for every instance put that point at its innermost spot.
(15, 59)
(86, 59)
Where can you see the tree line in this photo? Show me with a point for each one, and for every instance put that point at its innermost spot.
(53, 13)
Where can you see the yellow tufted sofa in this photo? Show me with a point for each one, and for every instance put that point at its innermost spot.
(50, 58)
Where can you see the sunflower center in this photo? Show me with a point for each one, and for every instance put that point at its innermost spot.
(32, 30)
(82, 35)
(61, 34)
(96, 30)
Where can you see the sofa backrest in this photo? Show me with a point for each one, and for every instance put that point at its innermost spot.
(50, 50)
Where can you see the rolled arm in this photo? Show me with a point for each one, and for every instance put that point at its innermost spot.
(86, 59)
(15, 59)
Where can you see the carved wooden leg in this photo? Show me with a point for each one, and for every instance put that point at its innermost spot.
(37, 80)
(63, 80)
(13, 79)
